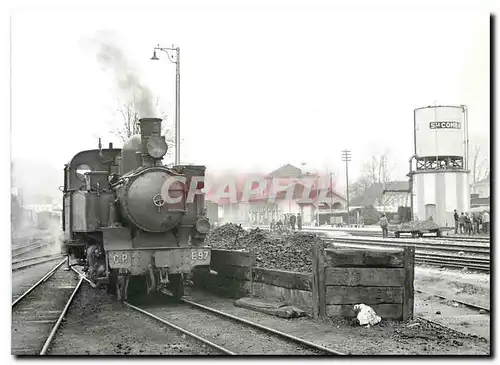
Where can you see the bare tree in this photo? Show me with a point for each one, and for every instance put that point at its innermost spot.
(129, 124)
(375, 175)
(480, 166)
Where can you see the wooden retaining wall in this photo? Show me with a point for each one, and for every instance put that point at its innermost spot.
(341, 278)
(380, 278)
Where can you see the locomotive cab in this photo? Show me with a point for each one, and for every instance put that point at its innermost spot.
(137, 224)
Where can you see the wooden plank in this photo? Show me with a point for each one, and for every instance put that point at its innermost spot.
(299, 298)
(409, 259)
(364, 276)
(230, 257)
(386, 311)
(353, 257)
(285, 279)
(363, 294)
(315, 280)
(230, 271)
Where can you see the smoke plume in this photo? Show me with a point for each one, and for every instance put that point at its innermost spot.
(112, 58)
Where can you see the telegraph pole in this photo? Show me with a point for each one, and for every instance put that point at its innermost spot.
(346, 157)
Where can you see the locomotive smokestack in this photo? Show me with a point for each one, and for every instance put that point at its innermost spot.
(150, 127)
(153, 146)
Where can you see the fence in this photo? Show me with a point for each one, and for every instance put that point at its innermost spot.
(340, 278)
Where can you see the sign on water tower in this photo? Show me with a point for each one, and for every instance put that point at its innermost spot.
(440, 131)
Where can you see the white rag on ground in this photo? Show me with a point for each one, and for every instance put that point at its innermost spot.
(366, 315)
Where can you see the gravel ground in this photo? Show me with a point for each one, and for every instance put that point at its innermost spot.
(387, 338)
(34, 317)
(97, 324)
(236, 337)
(469, 287)
(459, 317)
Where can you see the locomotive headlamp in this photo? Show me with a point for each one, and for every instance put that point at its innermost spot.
(157, 147)
(203, 225)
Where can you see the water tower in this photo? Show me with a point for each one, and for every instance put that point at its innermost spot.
(441, 176)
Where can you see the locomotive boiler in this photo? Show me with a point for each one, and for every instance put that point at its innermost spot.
(135, 224)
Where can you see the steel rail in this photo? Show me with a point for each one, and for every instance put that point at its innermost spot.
(42, 280)
(470, 305)
(25, 249)
(422, 319)
(414, 242)
(453, 264)
(83, 277)
(264, 328)
(420, 246)
(46, 258)
(472, 260)
(33, 258)
(190, 334)
(59, 320)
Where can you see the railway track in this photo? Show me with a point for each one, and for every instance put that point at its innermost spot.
(229, 334)
(437, 254)
(467, 304)
(35, 317)
(359, 232)
(33, 261)
(33, 245)
(417, 243)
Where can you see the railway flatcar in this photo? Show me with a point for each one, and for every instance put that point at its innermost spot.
(130, 220)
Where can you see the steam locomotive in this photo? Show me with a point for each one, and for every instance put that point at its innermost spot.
(119, 223)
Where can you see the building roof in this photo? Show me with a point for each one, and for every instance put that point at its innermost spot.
(286, 175)
(286, 171)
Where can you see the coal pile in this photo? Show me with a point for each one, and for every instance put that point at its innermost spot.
(289, 251)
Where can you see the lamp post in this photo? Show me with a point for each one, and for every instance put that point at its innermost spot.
(174, 56)
(346, 156)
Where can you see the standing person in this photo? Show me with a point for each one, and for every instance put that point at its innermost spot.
(292, 221)
(299, 222)
(461, 222)
(468, 224)
(285, 221)
(273, 224)
(455, 215)
(475, 220)
(486, 222)
(383, 224)
(480, 224)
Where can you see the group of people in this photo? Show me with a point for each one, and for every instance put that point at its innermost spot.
(475, 223)
(289, 221)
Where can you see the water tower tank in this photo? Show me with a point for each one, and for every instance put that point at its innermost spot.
(441, 177)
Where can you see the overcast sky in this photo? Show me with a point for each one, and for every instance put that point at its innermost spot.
(258, 90)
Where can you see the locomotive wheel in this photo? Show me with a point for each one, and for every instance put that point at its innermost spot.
(176, 285)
